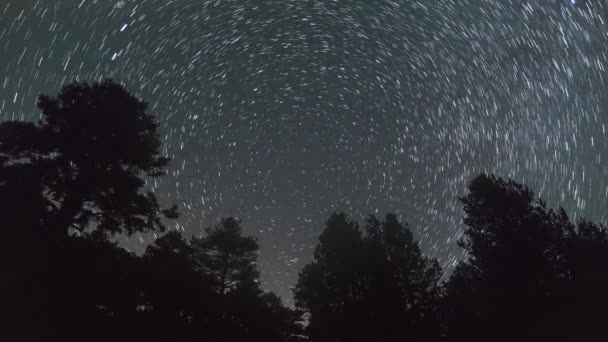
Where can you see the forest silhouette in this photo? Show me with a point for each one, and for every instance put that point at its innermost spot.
(73, 181)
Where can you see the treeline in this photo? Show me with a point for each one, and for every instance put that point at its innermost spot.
(84, 289)
(72, 181)
(530, 275)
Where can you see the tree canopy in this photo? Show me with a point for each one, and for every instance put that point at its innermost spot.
(84, 161)
(524, 278)
(77, 177)
(369, 286)
(227, 257)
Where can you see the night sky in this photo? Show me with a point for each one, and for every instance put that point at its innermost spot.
(281, 112)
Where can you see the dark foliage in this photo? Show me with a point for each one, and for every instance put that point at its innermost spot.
(74, 179)
(86, 289)
(227, 257)
(80, 169)
(375, 286)
(71, 181)
(84, 160)
(530, 274)
(209, 288)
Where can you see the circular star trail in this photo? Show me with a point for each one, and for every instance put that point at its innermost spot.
(281, 112)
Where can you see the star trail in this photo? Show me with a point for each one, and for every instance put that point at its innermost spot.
(281, 112)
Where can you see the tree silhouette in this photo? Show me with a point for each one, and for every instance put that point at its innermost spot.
(404, 285)
(242, 310)
(209, 287)
(330, 288)
(173, 291)
(584, 298)
(512, 286)
(369, 287)
(89, 153)
(81, 168)
(67, 289)
(77, 177)
(227, 257)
